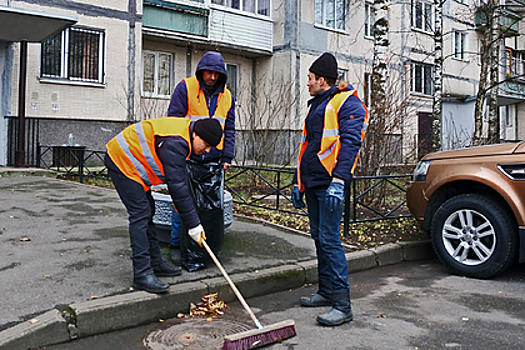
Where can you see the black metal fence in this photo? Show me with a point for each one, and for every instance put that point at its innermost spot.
(369, 198)
(32, 130)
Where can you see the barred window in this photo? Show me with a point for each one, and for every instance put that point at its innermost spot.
(74, 54)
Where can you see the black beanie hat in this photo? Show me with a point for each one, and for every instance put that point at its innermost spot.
(209, 130)
(325, 66)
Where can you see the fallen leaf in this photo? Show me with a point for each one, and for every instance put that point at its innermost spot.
(209, 319)
(383, 316)
(161, 320)
(25, 239)
(180, 315)
(94, 297)
(33, 321)
(464, 319)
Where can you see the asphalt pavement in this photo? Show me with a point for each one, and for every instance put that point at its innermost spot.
(407, 306)
(66, 272)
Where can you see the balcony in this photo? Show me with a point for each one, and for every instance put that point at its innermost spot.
(206, 23)
(508, 21)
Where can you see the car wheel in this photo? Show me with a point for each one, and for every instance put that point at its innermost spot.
(474, 235)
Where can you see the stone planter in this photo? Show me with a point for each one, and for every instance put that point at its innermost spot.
(164, 208)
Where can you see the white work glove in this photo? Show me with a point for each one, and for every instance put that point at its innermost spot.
(197, 234)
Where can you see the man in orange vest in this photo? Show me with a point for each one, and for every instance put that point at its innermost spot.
(333, 132)
(150, 153)
(205, 95)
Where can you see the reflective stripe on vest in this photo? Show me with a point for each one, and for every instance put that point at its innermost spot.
(133, 150)
(198, 109)
(330, 140)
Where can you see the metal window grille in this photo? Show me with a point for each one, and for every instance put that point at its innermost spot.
(75, 54)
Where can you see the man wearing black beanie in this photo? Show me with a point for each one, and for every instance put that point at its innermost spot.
(151, 153)
(332, 135)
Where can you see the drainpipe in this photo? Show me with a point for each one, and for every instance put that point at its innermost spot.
(20, 153)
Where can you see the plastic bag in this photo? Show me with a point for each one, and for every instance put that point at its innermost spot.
(207, 187)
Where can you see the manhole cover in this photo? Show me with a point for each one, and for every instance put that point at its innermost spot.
(194, 334)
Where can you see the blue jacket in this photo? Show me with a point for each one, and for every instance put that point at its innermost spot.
(351, 117)
(179, 106)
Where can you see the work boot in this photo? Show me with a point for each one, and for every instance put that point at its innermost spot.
(323, 297)
(341, 311)
(315, 301)
(150, 283)
(175, 255)
(166, 270)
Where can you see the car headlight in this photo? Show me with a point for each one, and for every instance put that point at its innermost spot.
(420, 173)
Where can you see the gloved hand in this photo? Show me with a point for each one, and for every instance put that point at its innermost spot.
(297, 198)
(197, 234)
(335, 194)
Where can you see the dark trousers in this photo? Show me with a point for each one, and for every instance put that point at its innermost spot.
(325, 229)
(140, 205)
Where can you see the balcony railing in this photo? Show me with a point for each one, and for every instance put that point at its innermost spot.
(508, 21)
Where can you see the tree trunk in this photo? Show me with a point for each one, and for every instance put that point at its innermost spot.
(494, 129)
(435, 137)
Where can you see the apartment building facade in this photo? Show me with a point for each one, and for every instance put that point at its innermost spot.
(121, 61)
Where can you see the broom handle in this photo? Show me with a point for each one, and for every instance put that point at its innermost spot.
(233, 287)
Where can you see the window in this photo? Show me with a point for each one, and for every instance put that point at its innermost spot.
(508, 63)
(422, 15)
(368, 90)
(259, 7)
(460, 45)
(74, 54)
(157, 70)
(331, 13)
(231, 83)
(518, 58)
(421, 78)
(369, 19)
(342, 75)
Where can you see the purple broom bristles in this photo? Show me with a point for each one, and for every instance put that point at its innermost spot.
(258, 340)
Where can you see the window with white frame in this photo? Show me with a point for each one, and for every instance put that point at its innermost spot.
(157, 68)
(422, 15)
(460, 45)
(331, 13)
(519, 63)
(231, 83)
(75, 54)
(369, 19)
(259, 7)
(421, 78)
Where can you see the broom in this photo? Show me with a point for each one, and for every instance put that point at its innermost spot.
(253, 338)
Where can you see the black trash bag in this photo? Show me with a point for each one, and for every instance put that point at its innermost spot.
(207, 187)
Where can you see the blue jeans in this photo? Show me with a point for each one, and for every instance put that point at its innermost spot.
(325, 230)
(175, 228)
(140, 205)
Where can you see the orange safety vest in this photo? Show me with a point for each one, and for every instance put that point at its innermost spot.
(133, 150)
(330, 140)
(198, 109)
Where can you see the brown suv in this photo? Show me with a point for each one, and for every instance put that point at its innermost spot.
(472, 203)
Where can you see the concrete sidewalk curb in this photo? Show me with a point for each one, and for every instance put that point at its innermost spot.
(112, 313)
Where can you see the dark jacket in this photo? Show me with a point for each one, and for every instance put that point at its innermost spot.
(179, 106)
(172, 152)
(351, 117)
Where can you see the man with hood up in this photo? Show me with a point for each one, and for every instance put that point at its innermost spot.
(205, 96)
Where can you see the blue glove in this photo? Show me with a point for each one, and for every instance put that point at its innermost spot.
(297, 198)
(335, 195)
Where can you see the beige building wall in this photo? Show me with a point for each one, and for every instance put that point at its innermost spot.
(55, 98)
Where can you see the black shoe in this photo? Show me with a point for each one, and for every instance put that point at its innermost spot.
(166, 270)
(335, 317)
(315, 301)
(150, 283)
(175, 255)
